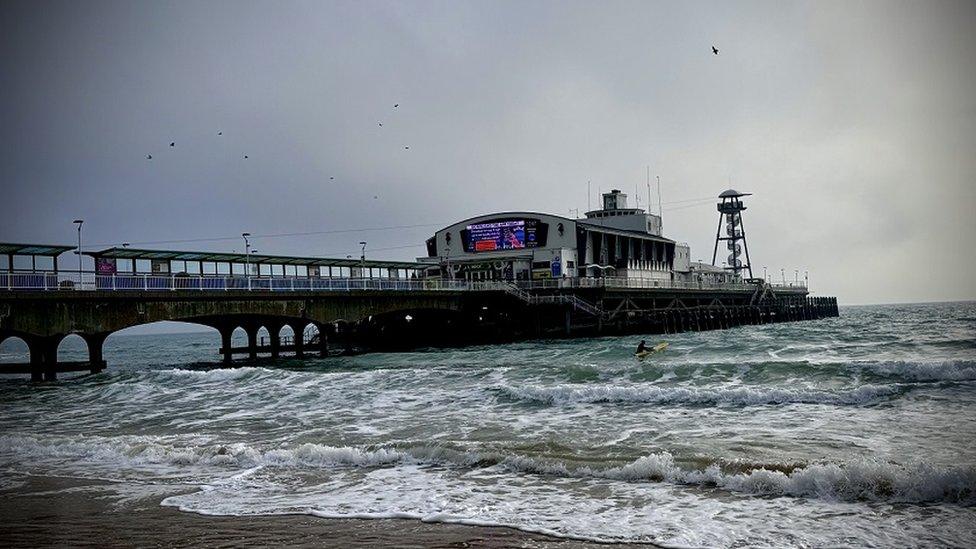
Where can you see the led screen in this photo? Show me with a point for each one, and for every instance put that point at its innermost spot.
(502, 235)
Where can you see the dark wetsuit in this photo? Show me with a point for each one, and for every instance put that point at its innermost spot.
(641, 348)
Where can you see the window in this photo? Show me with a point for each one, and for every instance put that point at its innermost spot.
(570, 265)
(540, 264)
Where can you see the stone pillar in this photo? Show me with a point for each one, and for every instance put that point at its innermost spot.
(274, 335)
(225, 345)
(323, 341)
(299, 341)
(252, 341)
(44, 357)
(95, 359)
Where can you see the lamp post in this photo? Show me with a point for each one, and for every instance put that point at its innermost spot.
(796, 276)
(806, 279)
(247, 259)
(765, 278)
(782, 274)
(79, 222)
(362, 260)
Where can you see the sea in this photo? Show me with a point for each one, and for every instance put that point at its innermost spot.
(857, 431)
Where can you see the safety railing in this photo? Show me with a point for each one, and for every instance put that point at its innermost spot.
(86, 281)
(640, 283)
(73, 281)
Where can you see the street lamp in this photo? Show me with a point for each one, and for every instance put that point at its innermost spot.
(79, 222)
(765, 278)
(796, 276)
(362, 260)
(247, 258)
(782, 274)
(806, 279)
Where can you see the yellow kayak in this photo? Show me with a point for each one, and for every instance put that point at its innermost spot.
(655, 349)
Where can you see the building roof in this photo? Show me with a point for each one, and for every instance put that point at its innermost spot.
(732, 193)
(257, 259)
(622, 232)
(7, 248)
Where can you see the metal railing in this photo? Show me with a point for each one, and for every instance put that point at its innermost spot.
(87, 281)
(622, 282)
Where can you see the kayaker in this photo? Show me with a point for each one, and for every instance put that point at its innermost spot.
(641, 348)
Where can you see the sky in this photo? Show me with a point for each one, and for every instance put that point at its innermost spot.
(853, 123)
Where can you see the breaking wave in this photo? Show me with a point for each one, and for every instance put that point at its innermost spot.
(860, 479)
(741, 396)
(948, 370)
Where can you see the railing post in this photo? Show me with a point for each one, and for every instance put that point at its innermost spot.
(113, 282)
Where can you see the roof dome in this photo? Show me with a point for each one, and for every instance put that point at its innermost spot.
(730, 193)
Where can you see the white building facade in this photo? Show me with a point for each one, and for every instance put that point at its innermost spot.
(614, 241)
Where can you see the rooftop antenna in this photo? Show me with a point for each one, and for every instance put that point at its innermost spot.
(659, 198)
(648, 182)
(587, 195)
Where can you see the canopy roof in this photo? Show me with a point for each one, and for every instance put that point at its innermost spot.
(257, 259)
(7, 248)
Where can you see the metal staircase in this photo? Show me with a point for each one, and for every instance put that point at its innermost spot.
(557, 299)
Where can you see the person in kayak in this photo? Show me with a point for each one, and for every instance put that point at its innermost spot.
(642, 347)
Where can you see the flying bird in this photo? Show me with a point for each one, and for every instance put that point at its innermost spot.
(714, 50)
(375, 197)
(407, 148)
(245, 157)
(172, 143)
(331, 178)
(395, 106)
(148, 157)
(381, 124)
(220, 133)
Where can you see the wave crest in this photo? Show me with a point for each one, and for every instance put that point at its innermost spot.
(855, 480)
(740, 396)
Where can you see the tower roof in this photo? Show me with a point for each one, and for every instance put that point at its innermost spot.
(732, 193)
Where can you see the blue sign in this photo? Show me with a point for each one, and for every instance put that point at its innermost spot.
(557, 267)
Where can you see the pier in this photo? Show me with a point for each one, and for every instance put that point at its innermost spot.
(340, 314)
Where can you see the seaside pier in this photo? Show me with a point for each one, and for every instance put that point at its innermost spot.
(493, 278)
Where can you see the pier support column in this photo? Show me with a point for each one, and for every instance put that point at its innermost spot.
(44, 357)
(95, 359)
(274, 337)
(252, 340)
(569, 322)
(225, 334)
(299, 338)
(323, 340)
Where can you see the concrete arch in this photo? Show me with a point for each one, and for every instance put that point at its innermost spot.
(14, 349)
(72, 347)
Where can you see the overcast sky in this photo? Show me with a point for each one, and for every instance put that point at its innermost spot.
(853, 123)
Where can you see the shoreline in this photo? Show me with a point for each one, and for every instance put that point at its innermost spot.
(50, 511)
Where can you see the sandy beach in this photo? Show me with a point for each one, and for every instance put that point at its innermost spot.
(43, 511)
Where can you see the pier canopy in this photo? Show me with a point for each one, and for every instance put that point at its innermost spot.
(136, 260)
(24, 257)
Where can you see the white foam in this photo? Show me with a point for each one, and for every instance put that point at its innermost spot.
(650, 394)
(861, 479)
(947, 370)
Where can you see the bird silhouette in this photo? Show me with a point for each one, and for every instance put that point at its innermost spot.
(381, 124)
(375, 197)
(406, 148)
(148, 157)
(395, 106)
(220, 133)
(245, 157)
(714, 50)
(172, 143)
(331, 178)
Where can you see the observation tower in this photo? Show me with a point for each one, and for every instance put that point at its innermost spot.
(730, 212)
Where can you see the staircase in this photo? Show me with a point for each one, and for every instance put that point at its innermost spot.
(557, 299)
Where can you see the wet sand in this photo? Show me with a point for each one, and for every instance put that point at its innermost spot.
(62, 512)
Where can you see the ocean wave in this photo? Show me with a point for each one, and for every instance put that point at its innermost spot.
(739, 396)
(862, 479)
(947, 370)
